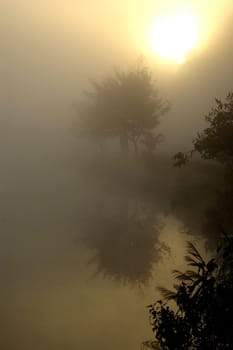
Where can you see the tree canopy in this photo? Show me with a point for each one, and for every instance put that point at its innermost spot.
(216, 141)
(203, 315)
(126, 105)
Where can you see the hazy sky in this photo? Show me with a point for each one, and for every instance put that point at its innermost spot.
(50, 49)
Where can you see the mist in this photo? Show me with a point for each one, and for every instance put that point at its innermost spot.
(86, 235)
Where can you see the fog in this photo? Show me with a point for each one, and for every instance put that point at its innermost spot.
(86, 237)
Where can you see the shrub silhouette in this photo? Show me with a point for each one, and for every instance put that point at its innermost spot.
(203, 316)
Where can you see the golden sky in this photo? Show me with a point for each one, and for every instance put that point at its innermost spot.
(50, 49)
(56, 47)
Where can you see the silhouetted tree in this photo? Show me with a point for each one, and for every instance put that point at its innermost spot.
(216, 141)
(126, 105)
(203, 316)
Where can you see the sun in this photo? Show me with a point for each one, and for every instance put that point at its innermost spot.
(173, 36)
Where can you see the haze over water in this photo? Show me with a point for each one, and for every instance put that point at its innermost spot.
(83, 247)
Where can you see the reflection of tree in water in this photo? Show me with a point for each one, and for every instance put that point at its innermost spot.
(126, 245)
(205, 209)
(125, 234)
(196, 201)
(219, 216)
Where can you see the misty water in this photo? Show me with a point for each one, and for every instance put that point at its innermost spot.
(86, 237)
(85, 240)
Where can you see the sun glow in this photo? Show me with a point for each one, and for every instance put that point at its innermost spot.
(173, 36)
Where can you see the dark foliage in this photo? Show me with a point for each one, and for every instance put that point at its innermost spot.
(203, 316)
(215, 141)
